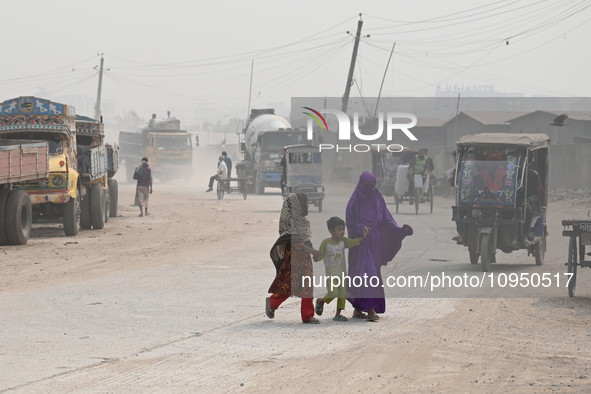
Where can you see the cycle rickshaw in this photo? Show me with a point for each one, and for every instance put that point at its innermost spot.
(580, 237)
(392, 179)
(502, 181)
(229, 185)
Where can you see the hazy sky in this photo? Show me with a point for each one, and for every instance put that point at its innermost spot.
(194, 57)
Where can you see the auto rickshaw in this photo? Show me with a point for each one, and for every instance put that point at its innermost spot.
(304, 173)
(499, 195)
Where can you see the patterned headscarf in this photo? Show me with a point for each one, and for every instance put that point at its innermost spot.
(292, 220)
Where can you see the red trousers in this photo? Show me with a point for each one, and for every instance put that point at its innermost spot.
(307, 307)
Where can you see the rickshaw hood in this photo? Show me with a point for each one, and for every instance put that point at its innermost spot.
(531, 141)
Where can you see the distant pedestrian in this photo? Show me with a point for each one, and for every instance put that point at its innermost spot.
(335, 264)
(221, 174)
(283, 181)
(143, 175)
(291, 257)
(228, 162)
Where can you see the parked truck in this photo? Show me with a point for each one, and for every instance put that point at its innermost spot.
(74, 168)
(168, 148)
(20, 161)
(262, 143)
(98, 163)
(58, 194)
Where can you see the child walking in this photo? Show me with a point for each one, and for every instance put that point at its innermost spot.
(333, 256)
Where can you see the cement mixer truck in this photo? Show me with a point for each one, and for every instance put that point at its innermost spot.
(262, 142)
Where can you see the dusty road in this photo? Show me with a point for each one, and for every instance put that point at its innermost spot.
(174, 302)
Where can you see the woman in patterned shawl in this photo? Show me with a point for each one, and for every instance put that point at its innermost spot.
(367, 207)
(291, 257)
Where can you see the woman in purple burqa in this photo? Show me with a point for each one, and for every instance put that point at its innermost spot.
(367, 207)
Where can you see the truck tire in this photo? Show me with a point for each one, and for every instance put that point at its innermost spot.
(19, 217)
(114, 197)
(4, 193)
(107, 201)
(97, 206)
(71, 215)
(85, 222)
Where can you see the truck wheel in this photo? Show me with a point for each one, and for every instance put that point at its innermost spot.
(107, 204)
(71, 215)
(4, 193)
(259, 189)
(19, 217)
(85, 222)
(113, 197)
(97, 206)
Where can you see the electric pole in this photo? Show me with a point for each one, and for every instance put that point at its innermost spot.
(97, 106)
(352, 66)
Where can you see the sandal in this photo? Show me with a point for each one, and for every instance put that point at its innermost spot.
(319, 308)
(340, 318)
(373, 318)
(268, 310)
(361, 316)
(313, 321)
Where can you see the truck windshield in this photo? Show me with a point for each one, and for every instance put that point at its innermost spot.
(56, 145)
(276, 141)
(173, 142)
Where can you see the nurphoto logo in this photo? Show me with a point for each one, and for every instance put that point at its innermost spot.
(345, 129)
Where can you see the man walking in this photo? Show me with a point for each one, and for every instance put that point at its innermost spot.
(221, 174)
(143, 175)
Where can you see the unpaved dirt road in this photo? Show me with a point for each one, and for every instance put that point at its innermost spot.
(174, 302)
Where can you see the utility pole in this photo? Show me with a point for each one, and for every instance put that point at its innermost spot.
(352, 66)
(97, 106)
(250, 91)
(383, 79)
(457, 114)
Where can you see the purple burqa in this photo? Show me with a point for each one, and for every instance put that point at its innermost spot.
(367, 207)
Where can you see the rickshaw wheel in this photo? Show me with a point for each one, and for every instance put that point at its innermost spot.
(244, 188)
(486, 252)
(397, 201)
(431, 198)
(540, 250)
(473, 255)
(572, 266)
(220, 190)
(417, 196)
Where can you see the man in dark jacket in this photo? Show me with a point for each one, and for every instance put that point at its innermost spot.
(144, 186)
